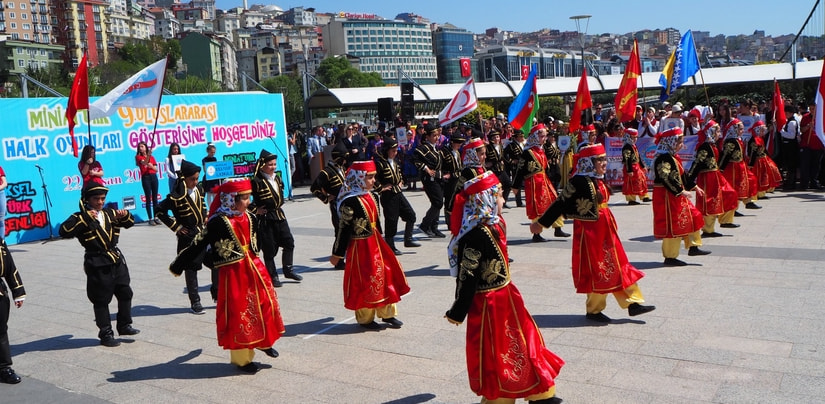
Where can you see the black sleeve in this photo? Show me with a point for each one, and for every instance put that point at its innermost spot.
(162, 213)
(473, 252)
(191, 253)
(346, 215)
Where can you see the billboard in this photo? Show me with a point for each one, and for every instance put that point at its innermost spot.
(42, 173)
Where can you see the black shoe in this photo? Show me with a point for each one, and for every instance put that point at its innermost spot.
(729, 225)
(197, 308)
(646, 200)
(372, 325)
(128, 330)
(341, 265)
(396, 251)
(635, 309)
(270, 352)
(560, 233)
(438, 234)
(694, 251)
(599, 317)
(751, 205)
(551, 400)
(276, 282)
(509, 259)
(109, 341)
(426, 231)
(505, 206)
(393, 322)
(537, 238)
(673, 262)
(737, 214)
(519, 204)
(711, 234)
(250, 368)
(633, 203)
(292, 275)
(410, 244)
(8, 376)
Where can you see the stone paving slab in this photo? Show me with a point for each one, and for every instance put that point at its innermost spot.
(738, 326)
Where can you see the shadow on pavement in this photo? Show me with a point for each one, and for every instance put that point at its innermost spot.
(432, 270)
(146, 310)
(57, 343)
(177, 369)
(326, 326)
(418, 398)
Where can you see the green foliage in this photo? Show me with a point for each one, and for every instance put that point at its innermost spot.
(337, 72)
(552, 106)
(290, 87)
(191, 84)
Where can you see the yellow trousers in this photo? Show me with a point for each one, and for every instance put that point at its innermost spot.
(534, 397)
(630, 198)
(366, 316)
(596, 302)
(241, 357)
(727, 217)
(670, 246)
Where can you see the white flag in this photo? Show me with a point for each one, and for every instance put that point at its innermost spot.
(143, 90)
(462, 104)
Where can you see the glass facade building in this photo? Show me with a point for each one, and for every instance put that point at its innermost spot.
(450, 44)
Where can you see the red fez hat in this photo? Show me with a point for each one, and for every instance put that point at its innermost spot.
(731, 124)
(538, 127)
(478, 184)
(631, 132)
(366, 165)
(593, 150)
(677, 131)
(236, 185)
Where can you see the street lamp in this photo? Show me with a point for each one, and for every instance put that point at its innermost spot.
(578, 19)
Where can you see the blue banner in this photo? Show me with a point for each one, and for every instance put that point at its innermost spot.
(37, 151)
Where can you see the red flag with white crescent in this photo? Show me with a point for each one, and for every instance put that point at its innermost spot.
(464, 102)
(525, 72)
(466, 68)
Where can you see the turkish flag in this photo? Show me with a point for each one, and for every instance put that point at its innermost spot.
(525, 72)
(78, 98)
(466, 68)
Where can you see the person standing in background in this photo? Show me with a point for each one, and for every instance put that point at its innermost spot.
(3, 185)
(171, 171)
(149, 179)
(316, 144)
(89, 167)
(9, 274)
(208, 185)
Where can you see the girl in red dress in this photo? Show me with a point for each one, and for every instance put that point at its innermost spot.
(248, 316)
(634, 180)
(506, 355)
(764, 169)
(373, 279)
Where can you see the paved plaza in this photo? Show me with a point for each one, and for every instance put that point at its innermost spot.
(742, 325)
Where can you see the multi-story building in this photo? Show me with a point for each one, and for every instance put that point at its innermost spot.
(201, 56)
(133, 23)
(450, 45)
(510, 60)
(227, 23)
(208, 5)
(26, 20)
(299, 16)
(383, 46)
(166, 25)
(82, 25)
(16, 56)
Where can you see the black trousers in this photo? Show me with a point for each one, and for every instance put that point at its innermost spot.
(333, 213)
(789, 150)
(150, 192)
(104, 282)
(434, 188)
(274, 234)
(191, 274)
(809, 162)
(506, 183)
(449, 189)
(5, 306)
(395, 205)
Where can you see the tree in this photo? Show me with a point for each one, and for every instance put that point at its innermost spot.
(337, 72)
(290, 87)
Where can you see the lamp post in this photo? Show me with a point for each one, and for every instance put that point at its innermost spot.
(578, 19)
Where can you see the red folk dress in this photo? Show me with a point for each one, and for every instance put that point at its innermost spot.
(247, 314)
(735, 170)
(539, 193)
(719, 197)
(635, 184)
(764, 169)
(373, 276)
(600, 264)
(674, 216)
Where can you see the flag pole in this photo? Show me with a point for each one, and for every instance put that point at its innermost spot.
(88, 121)
(160, 96)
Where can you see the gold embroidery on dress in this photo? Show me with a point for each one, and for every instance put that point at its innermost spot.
(361, 225)
(516, 355)
(493, 270)
(568, 191)
(226, 248)
(583, 205)
(346, 214)
(533, 167)
(607, 266)
(470, 261)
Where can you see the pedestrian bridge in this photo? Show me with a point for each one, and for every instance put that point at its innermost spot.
(368, 96)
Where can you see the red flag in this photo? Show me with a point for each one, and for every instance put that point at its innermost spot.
(779, 117)
(466, 69)
(583, 102)
(525, 72)
(78, 98)
(627, 94)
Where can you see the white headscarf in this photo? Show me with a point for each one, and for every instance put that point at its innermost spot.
(479, 208)
(355, 183)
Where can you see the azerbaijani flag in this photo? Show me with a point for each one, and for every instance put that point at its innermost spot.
(524, 107)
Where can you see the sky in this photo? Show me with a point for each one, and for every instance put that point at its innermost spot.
(608, 16)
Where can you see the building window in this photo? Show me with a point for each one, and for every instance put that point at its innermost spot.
(22, 6)
(21, 63)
